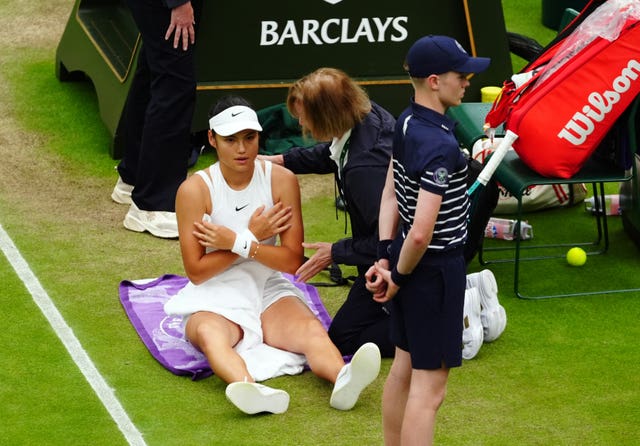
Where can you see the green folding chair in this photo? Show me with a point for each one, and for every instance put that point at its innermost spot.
(516, 178)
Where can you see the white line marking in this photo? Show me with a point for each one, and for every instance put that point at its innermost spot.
(72, 344)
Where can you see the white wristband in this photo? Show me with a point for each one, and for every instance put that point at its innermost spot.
(242, 243)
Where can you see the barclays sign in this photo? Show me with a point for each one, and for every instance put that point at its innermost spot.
(334, 31)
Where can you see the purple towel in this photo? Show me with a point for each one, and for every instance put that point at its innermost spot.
(143, 301)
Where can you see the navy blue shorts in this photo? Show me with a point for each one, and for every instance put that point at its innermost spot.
(426, 314)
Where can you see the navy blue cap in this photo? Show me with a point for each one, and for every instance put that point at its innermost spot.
(440, 54)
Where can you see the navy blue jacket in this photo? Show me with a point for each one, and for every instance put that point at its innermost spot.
(362, 181)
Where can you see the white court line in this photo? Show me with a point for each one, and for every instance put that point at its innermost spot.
(72, 344)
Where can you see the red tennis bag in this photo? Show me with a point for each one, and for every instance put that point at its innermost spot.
(563, 104)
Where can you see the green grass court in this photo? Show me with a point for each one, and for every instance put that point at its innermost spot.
(565, 371)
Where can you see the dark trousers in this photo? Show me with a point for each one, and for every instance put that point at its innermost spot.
(360, 320)
(158, 112)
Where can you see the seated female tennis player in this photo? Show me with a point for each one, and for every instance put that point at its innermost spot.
(238, 309)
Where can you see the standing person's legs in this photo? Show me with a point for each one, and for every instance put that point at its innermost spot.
(426, 394)
(165, 138)
(360, 320)
(165, 143)
(394, 397)
(133, 116)
(426, 324)
(159, 113)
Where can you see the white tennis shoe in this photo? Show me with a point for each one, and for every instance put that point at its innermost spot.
(161, 224)
(492, 314)
(122, 192)
(472, 331)
(252, 398)
(355, 376)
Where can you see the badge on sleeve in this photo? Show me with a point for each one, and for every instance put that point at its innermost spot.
(440, 176)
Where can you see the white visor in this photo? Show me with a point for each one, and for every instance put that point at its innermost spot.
(234, 119)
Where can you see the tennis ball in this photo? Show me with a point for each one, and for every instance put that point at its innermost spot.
(576, 256)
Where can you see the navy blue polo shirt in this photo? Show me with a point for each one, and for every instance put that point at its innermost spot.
(426, 155)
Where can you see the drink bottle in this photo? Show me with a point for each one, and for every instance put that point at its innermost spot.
(611, 204)
(503, 228)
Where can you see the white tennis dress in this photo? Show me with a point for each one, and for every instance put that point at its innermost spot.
(246, 288)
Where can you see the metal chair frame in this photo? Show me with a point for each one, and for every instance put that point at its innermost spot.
(516, 178)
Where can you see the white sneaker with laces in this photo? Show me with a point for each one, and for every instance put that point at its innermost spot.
(472, 331)
(492, 314)
(122, 192)
(161, 224)
(355, 376)
(252, 398)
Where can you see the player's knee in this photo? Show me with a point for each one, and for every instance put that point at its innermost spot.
(314, 329)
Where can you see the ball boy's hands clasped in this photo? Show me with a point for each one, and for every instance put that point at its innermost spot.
(379, 281)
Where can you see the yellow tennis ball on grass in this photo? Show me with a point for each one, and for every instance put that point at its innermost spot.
(576, 256)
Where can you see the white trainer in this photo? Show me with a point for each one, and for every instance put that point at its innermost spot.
(355, 376)
(472, 331)
(492, 314)
(252, 398)
(161, 224)
(122, 192)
